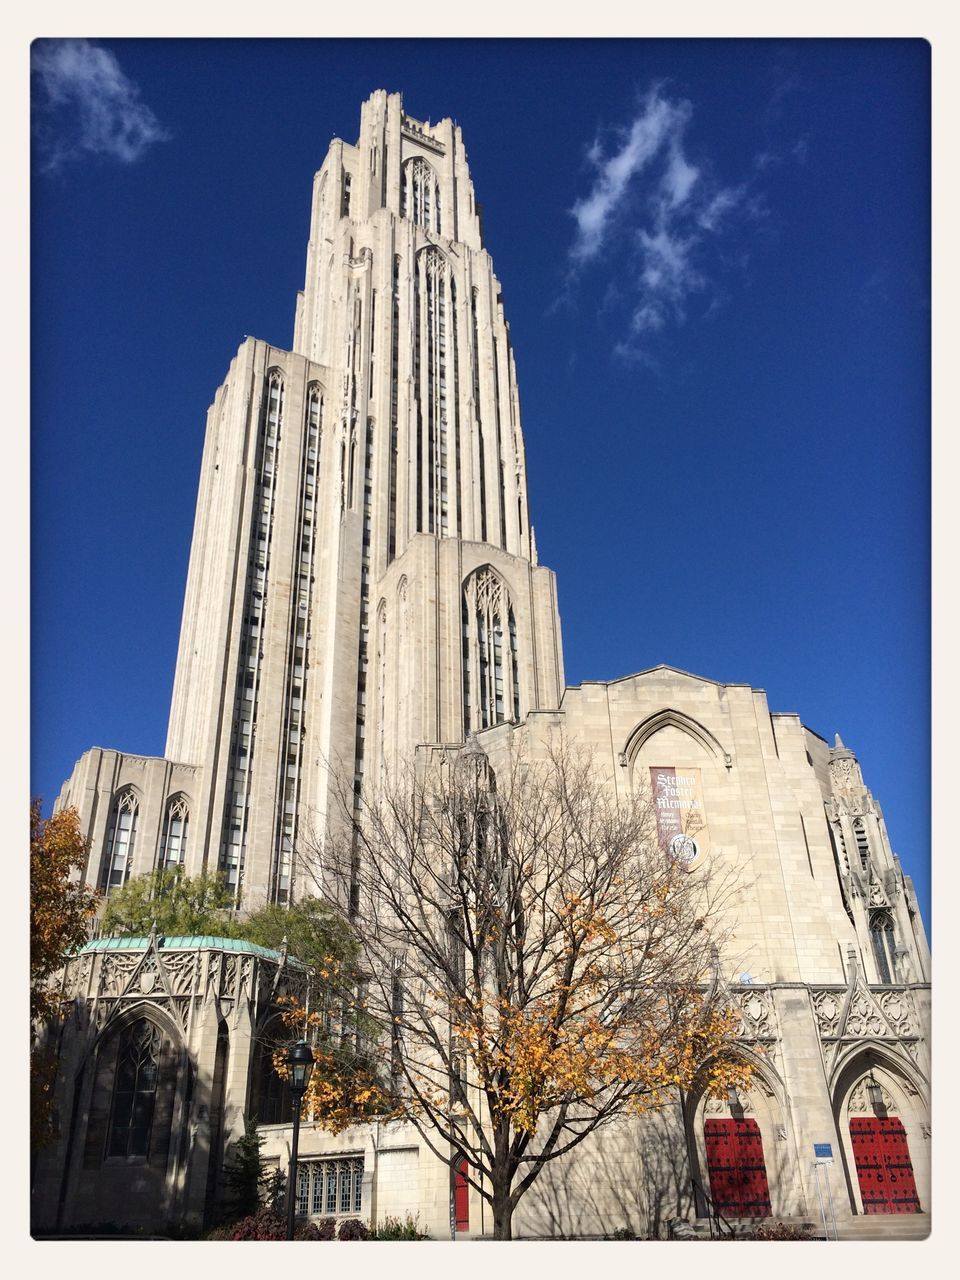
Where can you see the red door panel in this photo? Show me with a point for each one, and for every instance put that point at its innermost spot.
(461, 1197)
(884, 1168)
(738, 1173)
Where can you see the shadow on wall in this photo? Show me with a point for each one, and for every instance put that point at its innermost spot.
(145, 1173)
(632, 1176)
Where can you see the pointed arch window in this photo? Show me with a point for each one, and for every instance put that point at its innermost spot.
(174, 848)
(491, 684)
(420, 194)
(882, 939)
(433, 407)
(120, 842)
(134, 1090)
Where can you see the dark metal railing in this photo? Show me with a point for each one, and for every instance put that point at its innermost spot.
(719, 1226)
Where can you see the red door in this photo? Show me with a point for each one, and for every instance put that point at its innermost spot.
(461, 1197)
(738, 1174)
(884, 1170)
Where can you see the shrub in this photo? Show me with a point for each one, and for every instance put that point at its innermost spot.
(624, 1233)
(780, 1231)
(353, 1229)
(327, 1229)
(266, 1225)
(396, 1229)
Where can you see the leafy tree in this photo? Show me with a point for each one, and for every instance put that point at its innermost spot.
(60, 910)
(178, 903)
(345, 1081)
(315, 932)
(544, 965)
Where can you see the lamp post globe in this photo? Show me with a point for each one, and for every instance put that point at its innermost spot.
(300, 1065)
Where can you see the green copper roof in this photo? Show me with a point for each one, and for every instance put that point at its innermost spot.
(191, 942)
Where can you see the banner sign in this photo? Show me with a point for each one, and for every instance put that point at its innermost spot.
(678, 800)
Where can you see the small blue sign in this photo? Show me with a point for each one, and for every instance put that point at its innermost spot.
(823, 1150)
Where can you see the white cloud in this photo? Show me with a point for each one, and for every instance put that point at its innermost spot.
(87, 105)
(656, 211)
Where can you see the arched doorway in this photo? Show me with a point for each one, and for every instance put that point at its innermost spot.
(879, 1146)
(882, 1117)
(740, 1158)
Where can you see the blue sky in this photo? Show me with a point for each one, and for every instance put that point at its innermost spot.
(715, 263)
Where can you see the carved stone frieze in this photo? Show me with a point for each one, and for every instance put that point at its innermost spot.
(877, 896)
(116, 969)
(714, 1106)
(860, 1102)
(864, 1017)
(77, 976)
(827, 1006)
(182, 972)
(843, 772)
(756, 1015)
(898, 1010)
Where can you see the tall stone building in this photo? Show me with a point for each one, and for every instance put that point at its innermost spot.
(364, 583)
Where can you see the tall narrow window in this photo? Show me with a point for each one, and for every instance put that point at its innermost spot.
(882, 938)
(863, 845)
(478, 419)
(420, 194)
(394, 377)
(120, 842)
(135, 1090)
(430, 383)
(491, 687)
(174, 847)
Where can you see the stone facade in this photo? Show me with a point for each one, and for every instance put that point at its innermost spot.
(363, 585)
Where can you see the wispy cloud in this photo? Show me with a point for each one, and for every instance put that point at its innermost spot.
(659, 212)
(85, 105)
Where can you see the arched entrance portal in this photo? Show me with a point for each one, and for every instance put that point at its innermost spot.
(878, 1125)
(740, 1160)
(881, 1153)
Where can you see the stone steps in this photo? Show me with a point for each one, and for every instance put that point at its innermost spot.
(884, 1226)
(879, 1226)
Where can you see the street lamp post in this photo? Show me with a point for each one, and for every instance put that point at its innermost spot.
(300, 1063)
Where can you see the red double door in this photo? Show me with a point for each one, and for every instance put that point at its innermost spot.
(461, 1197)
(738, 1174)
(884, 1169)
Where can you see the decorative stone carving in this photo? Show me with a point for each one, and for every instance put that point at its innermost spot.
(116, 969)
(897, 1008)
(863, 1017)
(877, 896)
(181, 970)
(860, 1102)
(827, 1008)
(842, 772)
(755, 1014)
(78, 976)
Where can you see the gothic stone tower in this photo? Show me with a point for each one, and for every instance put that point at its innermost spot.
(363, 584)
(363, 573)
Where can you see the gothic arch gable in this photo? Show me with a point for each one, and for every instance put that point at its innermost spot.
(669, 716)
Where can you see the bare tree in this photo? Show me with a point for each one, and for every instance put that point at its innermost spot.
(543, 965)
